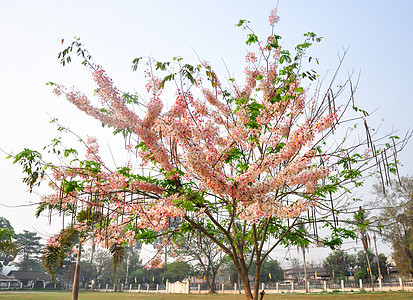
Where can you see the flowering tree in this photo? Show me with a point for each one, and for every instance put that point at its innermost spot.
(238, 164)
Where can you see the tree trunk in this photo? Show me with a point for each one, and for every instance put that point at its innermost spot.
(246, 284)
(305, 272)
(377, 257)
(75, 290)
(257, 281)
(371, 275)
(209, 282)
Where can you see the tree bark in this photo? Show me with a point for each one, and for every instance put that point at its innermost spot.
(305, 272)
(377, 256)
(371, 275)
(75, 289)
(257, 280)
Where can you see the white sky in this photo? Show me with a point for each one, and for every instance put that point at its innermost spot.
(379, 34)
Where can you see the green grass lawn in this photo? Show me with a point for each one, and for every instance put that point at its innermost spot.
(113, 296)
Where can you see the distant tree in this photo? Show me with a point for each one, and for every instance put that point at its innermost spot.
(340, 262)
(396, 221)
(363, 225)
(30, 251)
(271, 271)
(97, 265)
(365, 268)
(8, 248)
(177, 271)
(207, 257)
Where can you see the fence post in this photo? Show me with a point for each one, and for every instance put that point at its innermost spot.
(157, 288)
(342, 285)
(277, 286)
(325, 286)
(222, 288)
(147, 288)
(380, 285)
(199, 288)
(130, 288)
(401, 283)
(361, 283)
(262, 286)
(308, 285)
(107, 285)
(292, 286)
(139, 288)
(235, 288)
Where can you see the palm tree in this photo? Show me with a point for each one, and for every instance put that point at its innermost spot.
(303, 244)
(362, 223)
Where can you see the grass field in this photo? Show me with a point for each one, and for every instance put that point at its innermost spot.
(113, 296)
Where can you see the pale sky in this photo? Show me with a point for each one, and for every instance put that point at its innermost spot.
(378, 34)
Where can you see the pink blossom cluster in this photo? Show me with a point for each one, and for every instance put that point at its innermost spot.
(251, 57)
(92, 150)
(155, 262)
(54, 241)
(255, 212)
(326, 122)
(273, 18)
(156, 217)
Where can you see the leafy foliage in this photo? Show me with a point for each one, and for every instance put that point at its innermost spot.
(54, 253)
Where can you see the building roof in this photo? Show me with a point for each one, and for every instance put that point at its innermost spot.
(7, 278)
(28, 275)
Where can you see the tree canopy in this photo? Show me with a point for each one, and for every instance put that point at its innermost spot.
(396, 221)
(239, 163)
